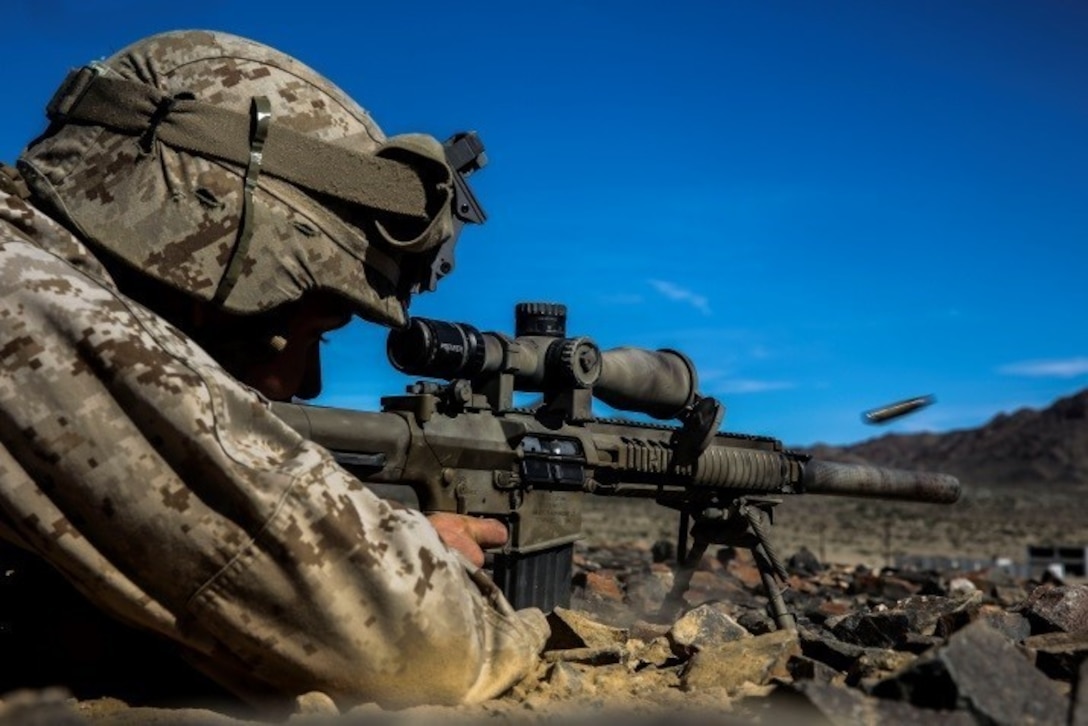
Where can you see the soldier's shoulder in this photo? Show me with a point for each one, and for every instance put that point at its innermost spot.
(28, 233)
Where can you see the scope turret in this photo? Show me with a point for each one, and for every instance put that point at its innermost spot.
(534, 318)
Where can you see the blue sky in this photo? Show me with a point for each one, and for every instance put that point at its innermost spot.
(828, 206)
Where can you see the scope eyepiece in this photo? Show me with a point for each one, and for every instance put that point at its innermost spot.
(436, 349)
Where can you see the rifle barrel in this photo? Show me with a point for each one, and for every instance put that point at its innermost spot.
(862, 480)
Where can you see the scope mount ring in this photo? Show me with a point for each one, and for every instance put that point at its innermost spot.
(699, 423)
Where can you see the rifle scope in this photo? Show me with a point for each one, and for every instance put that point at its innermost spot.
(660, 383)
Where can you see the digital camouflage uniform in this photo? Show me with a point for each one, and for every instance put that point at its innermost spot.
(164, 490)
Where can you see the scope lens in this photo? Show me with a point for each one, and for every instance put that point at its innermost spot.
(435, 349)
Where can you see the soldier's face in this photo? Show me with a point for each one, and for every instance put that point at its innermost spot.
(283, 375)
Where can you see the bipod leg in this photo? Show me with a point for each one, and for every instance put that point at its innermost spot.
(685, 569)
(770, 567)
(783, 619)
(682, 538)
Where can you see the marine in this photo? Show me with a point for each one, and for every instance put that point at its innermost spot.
(200, 211)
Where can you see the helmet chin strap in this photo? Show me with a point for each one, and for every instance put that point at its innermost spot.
(260, 119)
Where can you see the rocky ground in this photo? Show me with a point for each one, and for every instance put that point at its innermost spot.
(872, 645)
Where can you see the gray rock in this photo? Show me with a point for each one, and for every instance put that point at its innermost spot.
(647, 631)
(849, 707)
(645, 594)
(701, 628)
(831, 651)
(1078, 715)
(1059, 655)
(658, 653)
(756, 622)
(876, 664)
(565, 680)
(915, 643)
(574, 629)
(924, 612)
(980, 670)
(1009, 595)
(881, 629)
(751, 660)
(803, 668)
(1063, 608)
(804, 562)
(1013, 626)
(589, 656)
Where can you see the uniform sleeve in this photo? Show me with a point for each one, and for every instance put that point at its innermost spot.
(171, 497)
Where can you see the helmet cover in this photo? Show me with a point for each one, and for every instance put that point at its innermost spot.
(174, 215)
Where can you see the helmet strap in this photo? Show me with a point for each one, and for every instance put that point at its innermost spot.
(260, 120)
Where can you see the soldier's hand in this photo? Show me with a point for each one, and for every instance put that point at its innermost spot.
(468, 535)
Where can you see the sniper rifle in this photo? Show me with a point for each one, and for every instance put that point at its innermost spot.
(463, 446)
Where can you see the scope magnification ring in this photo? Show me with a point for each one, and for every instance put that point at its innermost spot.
(577, 361)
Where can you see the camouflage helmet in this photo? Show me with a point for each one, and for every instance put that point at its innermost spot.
(238, 175)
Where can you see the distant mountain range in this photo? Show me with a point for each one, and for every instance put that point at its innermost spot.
(1028, 447)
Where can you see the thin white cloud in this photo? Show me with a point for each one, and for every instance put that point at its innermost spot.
(673, 291)
(748, 385)
(1057, 368)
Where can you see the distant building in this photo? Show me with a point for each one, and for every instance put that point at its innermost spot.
(1062, 561)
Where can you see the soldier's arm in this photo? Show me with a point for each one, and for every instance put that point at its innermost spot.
(171, 497)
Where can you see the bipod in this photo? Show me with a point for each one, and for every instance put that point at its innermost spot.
(745, 523)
